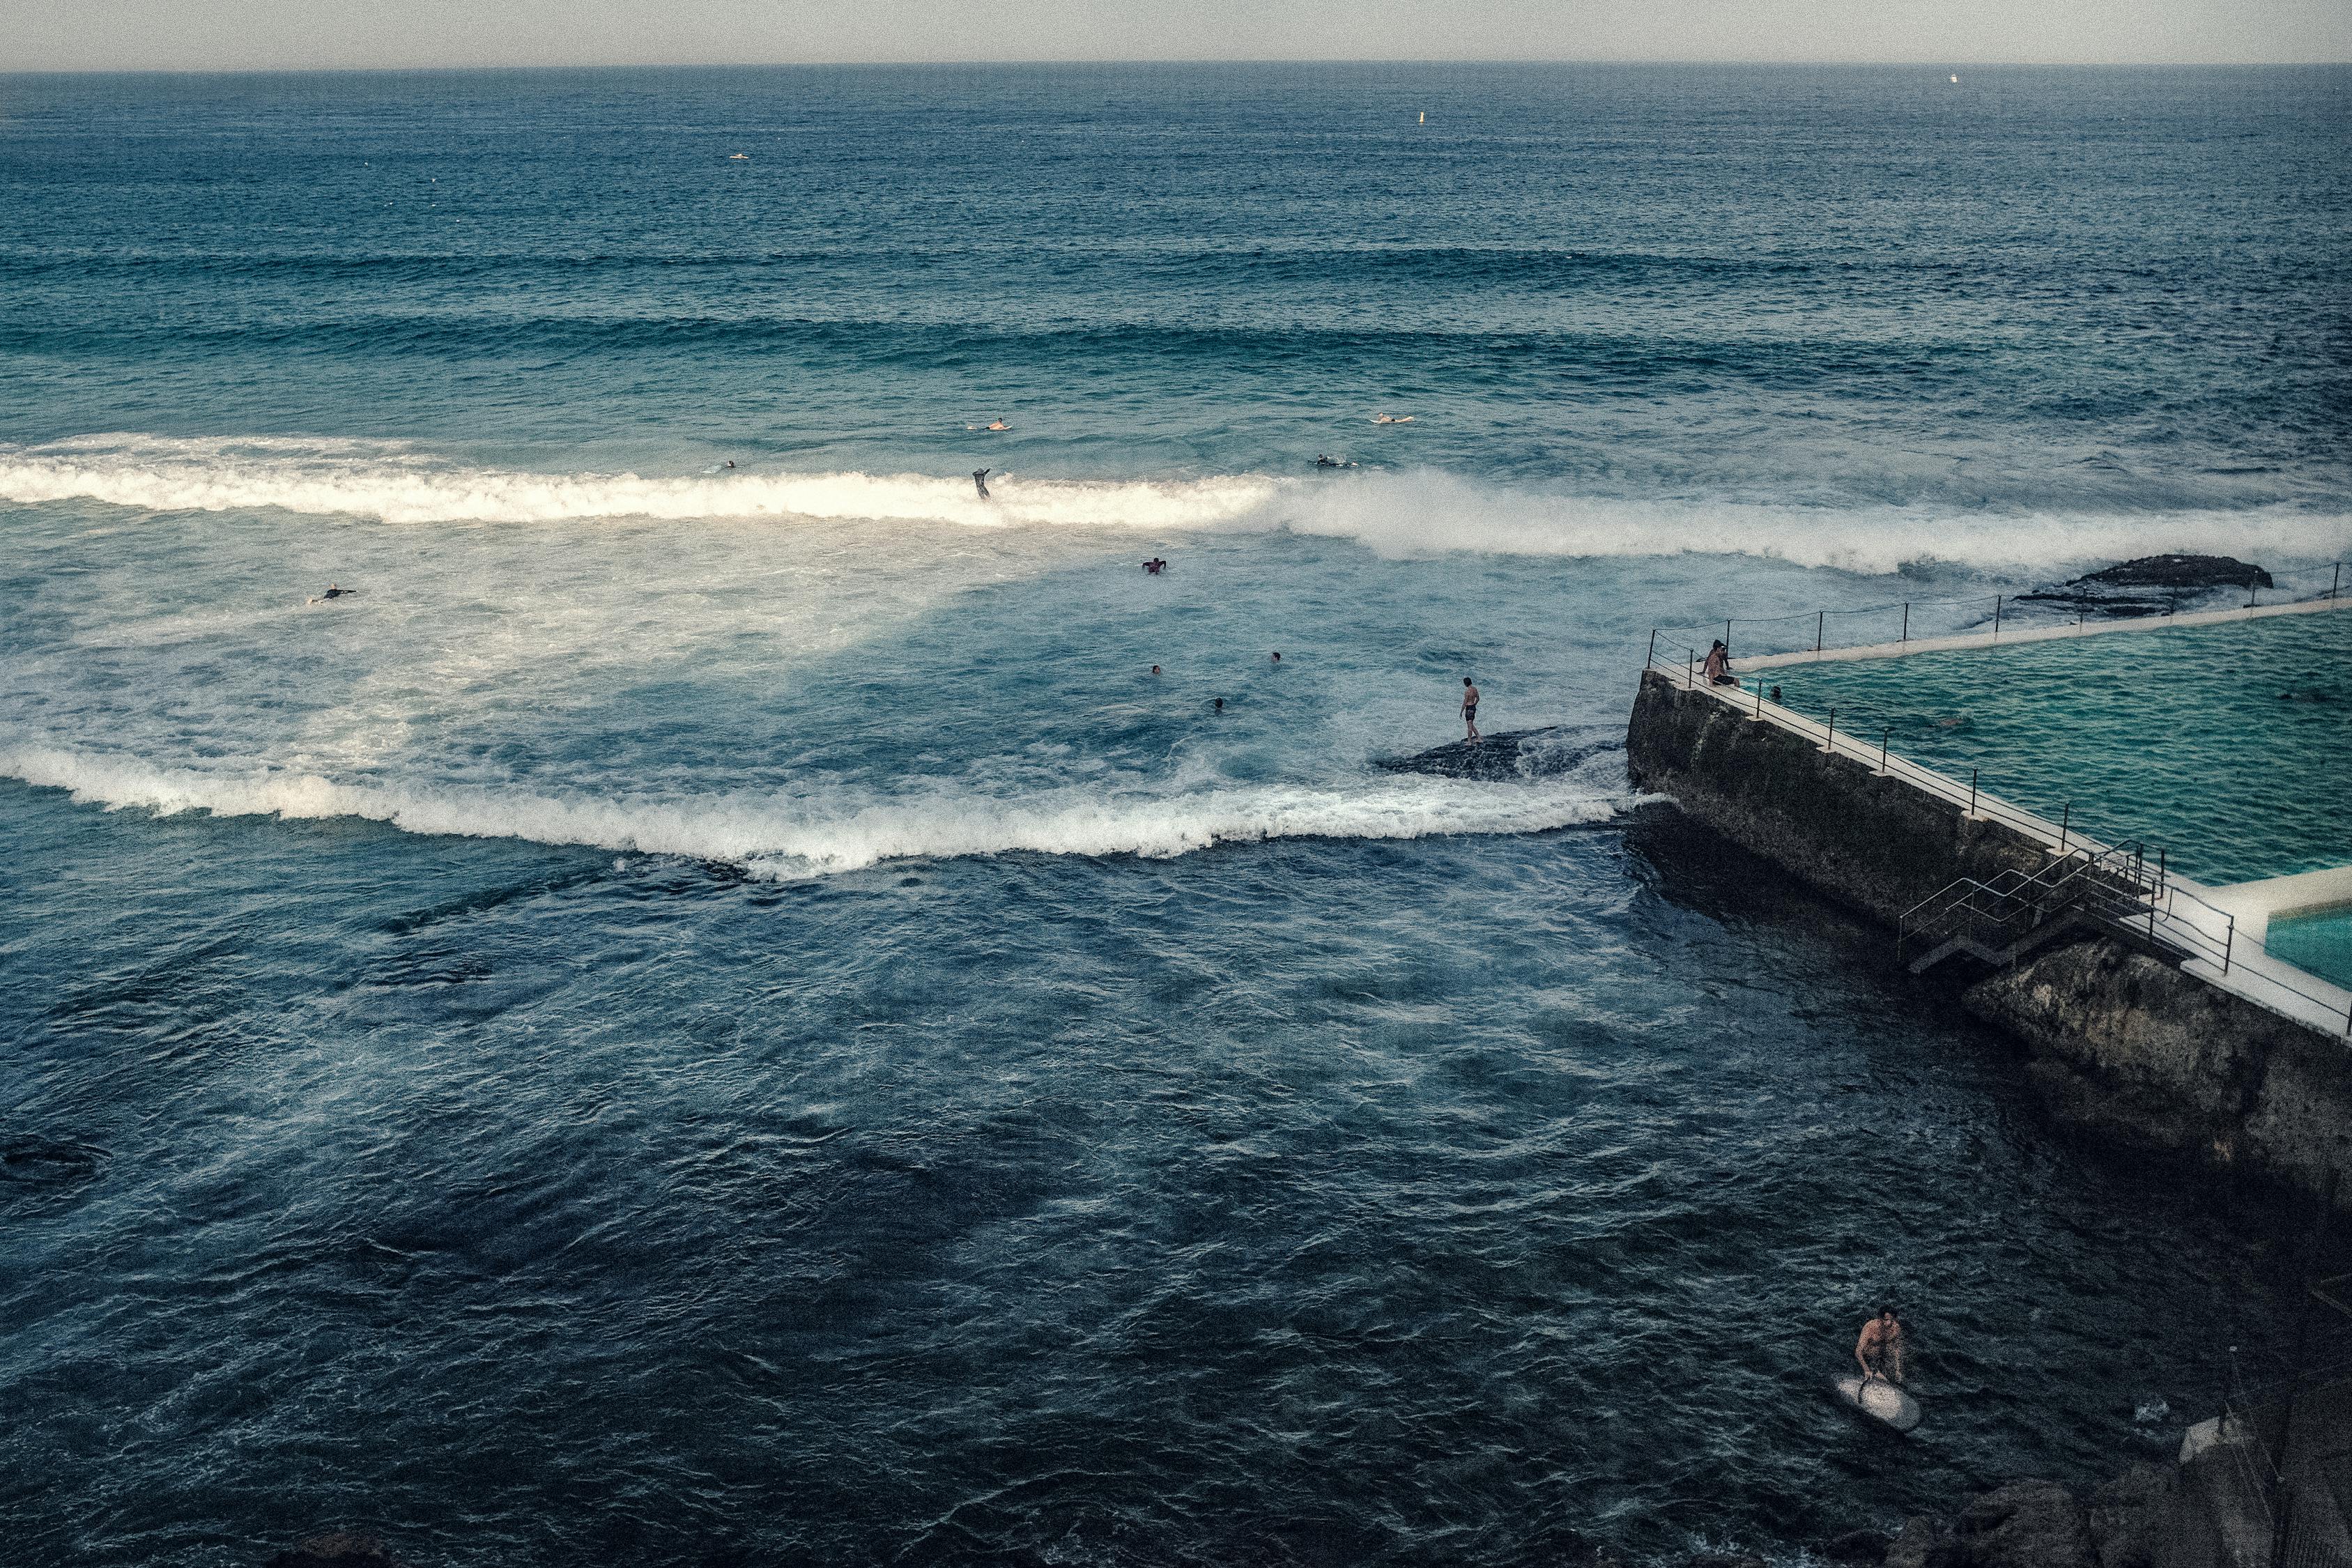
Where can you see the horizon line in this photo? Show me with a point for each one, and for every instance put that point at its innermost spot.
(1643, 62)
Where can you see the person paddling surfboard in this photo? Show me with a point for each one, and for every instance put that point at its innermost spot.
(1880, 1348)
(1879, 1391)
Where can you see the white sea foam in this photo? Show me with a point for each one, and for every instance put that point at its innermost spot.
(1396, 512)
(784, 837)
(396, 484)
(1425, 512)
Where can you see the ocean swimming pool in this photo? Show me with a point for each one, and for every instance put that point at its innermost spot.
(2227, 745)
(2319, 942)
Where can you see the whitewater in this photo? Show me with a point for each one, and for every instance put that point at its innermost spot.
(1401, 513)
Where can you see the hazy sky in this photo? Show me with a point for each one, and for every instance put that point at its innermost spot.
(202, 35)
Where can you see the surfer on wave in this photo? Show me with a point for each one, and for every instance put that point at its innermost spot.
(1880, 1348)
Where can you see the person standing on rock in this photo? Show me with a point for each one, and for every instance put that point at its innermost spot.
(1469, 710)
(1880, 1349)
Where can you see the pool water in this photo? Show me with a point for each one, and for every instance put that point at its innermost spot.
(2226, 744)
(2319, 942)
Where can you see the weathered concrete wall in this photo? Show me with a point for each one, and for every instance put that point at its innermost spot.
(2118, 1043)
(1875, 842)
(2133, 1048)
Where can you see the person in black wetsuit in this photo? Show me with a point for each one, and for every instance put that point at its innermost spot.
(980, 482)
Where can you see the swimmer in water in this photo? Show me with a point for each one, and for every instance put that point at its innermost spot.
(980, 482)
(992, 424)
(1391, 419)
(728, 464)
(1277, 659)
(334, 591)
(1155, 669)
(1221, 704)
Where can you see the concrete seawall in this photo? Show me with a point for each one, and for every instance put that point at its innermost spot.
(2120, 1043)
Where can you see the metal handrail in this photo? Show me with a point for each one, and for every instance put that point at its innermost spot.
(1997, 603)
(2162, 894)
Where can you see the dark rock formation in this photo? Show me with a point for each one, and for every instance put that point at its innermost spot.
(2039, 1524)
(1922, 1535)
(340, 1549)
(2127, 1517)
(2151, 586)
(1724, 1560)
(2182, 571)
(2026, 1524)
(1510, 754)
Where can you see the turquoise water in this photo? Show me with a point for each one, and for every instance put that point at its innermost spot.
(2228, 745)
(2321, 944)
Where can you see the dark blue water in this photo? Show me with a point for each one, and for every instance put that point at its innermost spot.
(720, 1014)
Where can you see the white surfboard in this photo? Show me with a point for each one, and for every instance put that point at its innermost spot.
(1878, 1398)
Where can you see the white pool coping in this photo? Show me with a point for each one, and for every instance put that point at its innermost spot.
(2256, 904)
(2040, 634)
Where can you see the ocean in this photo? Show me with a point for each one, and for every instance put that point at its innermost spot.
(714, 1010)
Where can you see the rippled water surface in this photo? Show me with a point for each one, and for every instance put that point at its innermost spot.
(724, 1015)
(2228, 744)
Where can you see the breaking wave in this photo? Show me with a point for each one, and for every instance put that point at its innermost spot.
(1400, 512)
(395, 484)
(781, 837)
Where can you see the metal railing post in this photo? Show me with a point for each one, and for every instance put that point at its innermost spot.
(1996, 618)
(2337, 581)
(2065, 824)
(1759, 698)
(1727, 637)
(1690, 668)
(1821, 618)
(1829, 741)
(1882, 746)
(1972, 792)
(2228, 942)
(1651, 657)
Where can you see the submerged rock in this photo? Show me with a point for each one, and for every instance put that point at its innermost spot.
(1507, 754)
(338, 1549)
(2026, 1524)
(2128, 1516)
(1923, 1535)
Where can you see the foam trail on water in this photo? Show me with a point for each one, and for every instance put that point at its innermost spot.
(783, 837)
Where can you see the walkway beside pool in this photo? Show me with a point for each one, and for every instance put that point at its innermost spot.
(2187, 919)
(2017, 636)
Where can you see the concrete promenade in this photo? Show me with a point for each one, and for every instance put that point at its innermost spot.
(2022, 635)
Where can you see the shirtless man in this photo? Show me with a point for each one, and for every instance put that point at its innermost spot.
(1880, 1349)
(1717, 669)
(1470, 709)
